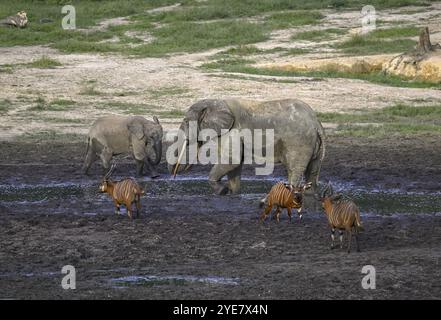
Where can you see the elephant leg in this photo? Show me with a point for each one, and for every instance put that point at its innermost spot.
(139, 167)
(106, 157)
(296, 166)
(90, 158)
(312, 173)
(151, 169)
(217, 172)
(234, 179)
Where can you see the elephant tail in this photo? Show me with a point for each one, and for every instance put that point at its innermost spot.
(87, 147)
(321, 144)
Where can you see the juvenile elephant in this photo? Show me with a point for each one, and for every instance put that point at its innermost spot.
(113, 135)
(298, 137)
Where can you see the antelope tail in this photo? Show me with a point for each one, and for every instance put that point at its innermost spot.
(263, 201)
(358, 224)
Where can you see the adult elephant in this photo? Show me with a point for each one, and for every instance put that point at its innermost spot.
(113, 135)
(298, 137)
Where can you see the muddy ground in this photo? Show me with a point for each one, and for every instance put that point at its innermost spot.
(190, 244)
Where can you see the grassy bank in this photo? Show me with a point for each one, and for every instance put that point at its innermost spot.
(242, 65)
(192, 26)
(398, 119)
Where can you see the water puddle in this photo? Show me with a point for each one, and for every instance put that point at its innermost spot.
(373, 201)
(152, 280)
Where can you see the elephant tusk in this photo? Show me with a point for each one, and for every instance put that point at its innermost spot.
(179, 160)
(197, 158)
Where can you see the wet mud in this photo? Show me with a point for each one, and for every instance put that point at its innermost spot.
(189, 243)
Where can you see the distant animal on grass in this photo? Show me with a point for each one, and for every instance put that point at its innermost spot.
(286, 196)
(114, 135)
(343, 214)
(124, 192)
(20, 20)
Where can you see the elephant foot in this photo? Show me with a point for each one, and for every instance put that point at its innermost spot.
(219, 188)
(154, 175)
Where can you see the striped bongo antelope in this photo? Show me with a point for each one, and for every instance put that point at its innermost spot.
(126, 192)
(283, 195)
(343, 214)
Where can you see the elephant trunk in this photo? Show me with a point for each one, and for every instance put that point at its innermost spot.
(157, 147)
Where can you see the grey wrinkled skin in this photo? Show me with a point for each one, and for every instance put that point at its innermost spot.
(298, 134)
(114, 135)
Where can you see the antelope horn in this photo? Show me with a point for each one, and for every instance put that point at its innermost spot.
(331, 191)
(325, 189)
(307, 186)
(179, 160)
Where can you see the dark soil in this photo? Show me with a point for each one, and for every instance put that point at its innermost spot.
(196, 234)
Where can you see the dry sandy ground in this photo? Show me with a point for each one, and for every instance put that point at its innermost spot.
(126, 80)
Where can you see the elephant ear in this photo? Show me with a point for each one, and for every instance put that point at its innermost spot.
(137, 129)
(216, 117)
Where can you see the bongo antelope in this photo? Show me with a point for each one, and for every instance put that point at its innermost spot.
(126, 192)
(343, 214)
(284, 195)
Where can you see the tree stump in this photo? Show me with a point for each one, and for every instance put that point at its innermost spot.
(424, 44)
(423, 62)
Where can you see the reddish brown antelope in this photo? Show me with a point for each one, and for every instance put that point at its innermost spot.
(284, 196)
(343, 214)
(126, 192)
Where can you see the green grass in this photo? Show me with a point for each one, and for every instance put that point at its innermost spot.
(239, 77)
(398, 119)
(64, 120)
(192, 37)
(56, 105)
(396, 32)
(63, 102)
(372, 44)
(428, 114)
(373, 131)
(5, 105)
(240, 65)
(140, 109)
(243, 51)
(167, 91)
(128, 108)
(285, 20)
(182, 30)
(174, 113)
(295, 52)
(6, 68)
(50, 135)
(44, 63)
(176, 38)
(315, 35)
